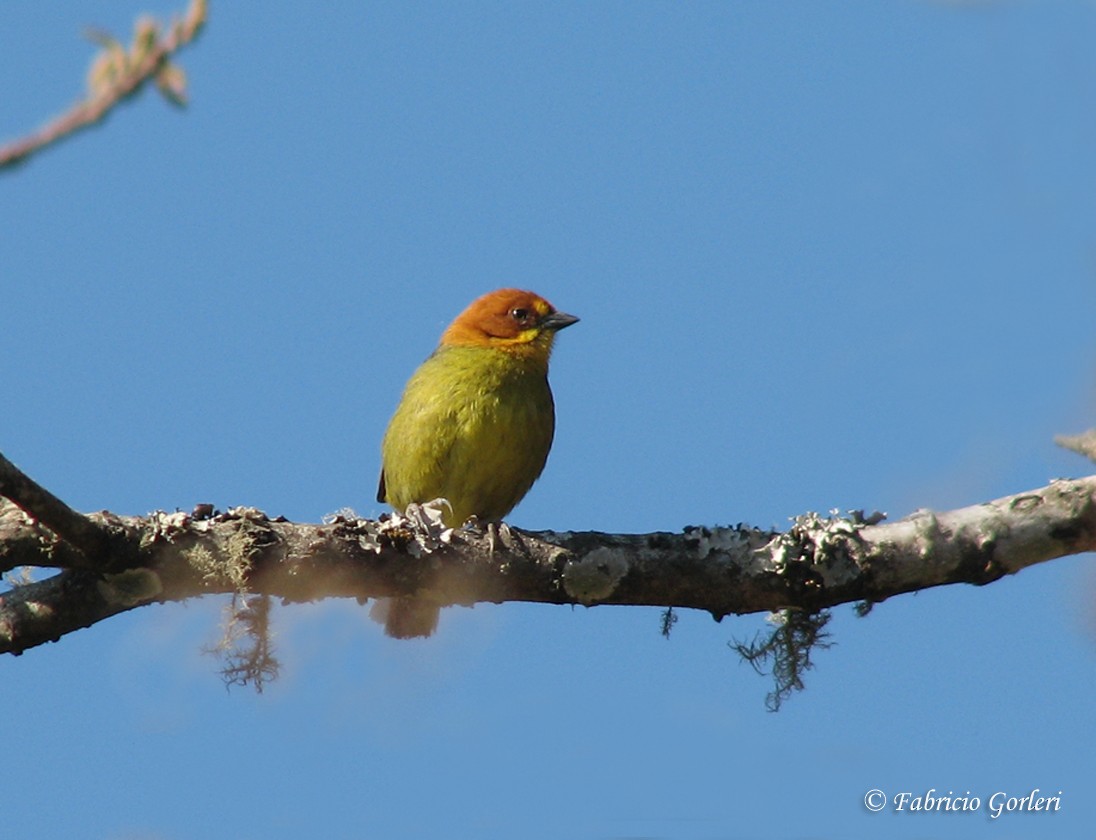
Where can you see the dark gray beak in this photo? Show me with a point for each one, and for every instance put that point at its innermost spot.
(558, 320)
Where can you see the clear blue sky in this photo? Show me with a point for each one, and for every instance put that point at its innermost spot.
(825, 255)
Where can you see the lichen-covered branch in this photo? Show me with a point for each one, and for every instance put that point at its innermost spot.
(819, 562)
(118, 73)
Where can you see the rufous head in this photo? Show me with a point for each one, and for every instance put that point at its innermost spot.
(512, 320)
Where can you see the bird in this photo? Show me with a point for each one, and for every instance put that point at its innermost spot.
(473, 427)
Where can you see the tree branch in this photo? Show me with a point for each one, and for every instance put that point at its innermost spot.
(116, 75)
(75, 529)
(818, 563)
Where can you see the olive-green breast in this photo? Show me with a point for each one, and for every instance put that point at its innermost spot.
(474, 426)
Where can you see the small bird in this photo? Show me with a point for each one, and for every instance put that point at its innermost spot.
(474, 425)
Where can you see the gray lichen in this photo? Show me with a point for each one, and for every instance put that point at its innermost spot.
(594, 577)
(828, 545)
(232, 568)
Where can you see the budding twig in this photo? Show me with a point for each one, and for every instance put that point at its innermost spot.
(117, 74)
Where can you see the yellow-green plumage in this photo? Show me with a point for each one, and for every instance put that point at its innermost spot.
(474, 427)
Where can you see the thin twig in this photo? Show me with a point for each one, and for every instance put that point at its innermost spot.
(1082, 444)
(117, 75)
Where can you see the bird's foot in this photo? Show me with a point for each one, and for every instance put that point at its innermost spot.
(510, 538)
(499, 535)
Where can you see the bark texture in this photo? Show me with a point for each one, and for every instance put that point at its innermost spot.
(109, 564)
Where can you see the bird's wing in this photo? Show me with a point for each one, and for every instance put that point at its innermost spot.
(382, 495)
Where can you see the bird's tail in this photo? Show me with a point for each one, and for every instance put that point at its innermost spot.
(405, 618)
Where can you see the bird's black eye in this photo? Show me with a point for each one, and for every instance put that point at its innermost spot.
(520, 315)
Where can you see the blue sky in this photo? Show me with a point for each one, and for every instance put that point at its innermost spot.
(825, 256)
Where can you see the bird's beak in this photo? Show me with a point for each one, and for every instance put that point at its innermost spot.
(557, 321)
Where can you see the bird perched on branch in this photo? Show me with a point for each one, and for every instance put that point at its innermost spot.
(474, 425)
